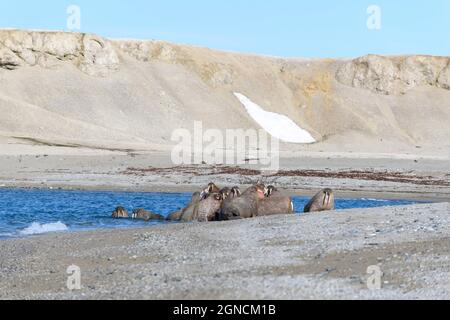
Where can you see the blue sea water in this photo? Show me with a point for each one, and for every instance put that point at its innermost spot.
(27, 212)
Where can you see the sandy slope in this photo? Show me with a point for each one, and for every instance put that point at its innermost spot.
(86, 90)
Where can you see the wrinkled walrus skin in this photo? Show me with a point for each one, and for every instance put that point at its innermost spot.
(208, 208)
(225, 193)
(142, 214)
(120, 213)
(243, 207)
(271, 191)
(275, 206)
(189, 210)
(211, 188)
(235, 192)
(322, 201)
(175, 216)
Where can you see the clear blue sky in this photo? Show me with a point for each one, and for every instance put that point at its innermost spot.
(315, 28)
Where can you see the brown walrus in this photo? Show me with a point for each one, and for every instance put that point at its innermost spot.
(208, 208)
(322, 201)
(120, 213)
(211, 188)
(272, 191)
(225, 193)
(191, 211)
(275, 203)
(235, 192)
(175, 216)
(187, 212)
(142, 214)
(245, 206)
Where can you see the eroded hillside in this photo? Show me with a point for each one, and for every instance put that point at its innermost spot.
(80, 89)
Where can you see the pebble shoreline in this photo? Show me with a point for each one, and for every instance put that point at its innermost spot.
(314, 256)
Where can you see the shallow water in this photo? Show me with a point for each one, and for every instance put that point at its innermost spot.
(27, 212)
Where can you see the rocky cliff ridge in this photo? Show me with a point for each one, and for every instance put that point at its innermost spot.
(91, 54)
(395, 75)
(97, 56)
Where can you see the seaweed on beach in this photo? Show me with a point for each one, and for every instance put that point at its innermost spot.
(399, 177)
(370, 175)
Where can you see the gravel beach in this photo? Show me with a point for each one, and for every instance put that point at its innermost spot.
(314, 256)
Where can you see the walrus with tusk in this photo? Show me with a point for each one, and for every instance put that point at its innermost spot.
(322, 201)
(208, 208)
(235, 192)
(120, 213)
(225, 193)
(142, 214)
(211, 188)
(243, 207)
(271, 191)
(275, 203)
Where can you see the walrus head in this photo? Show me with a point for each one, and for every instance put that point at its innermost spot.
(209, 207)
(138, 213)
(322, 201)
(196, 197)
(327, 197)
(235, 192)
(225, 192)
(261, 191)
(215, 196)
(257, 190)
(211, 188)
(120, 212)
(270, 190)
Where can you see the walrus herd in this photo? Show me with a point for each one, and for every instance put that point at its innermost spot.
(215, 204)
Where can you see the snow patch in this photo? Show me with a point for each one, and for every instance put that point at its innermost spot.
(277, 125)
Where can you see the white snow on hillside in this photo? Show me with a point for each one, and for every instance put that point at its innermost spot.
(277, 125)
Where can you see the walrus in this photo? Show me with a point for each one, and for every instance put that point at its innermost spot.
(243, 207)
(272, 191)
(322, 201)
(235, 192)
(175, 216)
(120, 213)
(189, 211)
(142, 214)
(207, 208)
(211, 188)
(225, 193)
(275, 203)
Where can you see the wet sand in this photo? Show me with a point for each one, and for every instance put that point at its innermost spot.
(315, 256)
